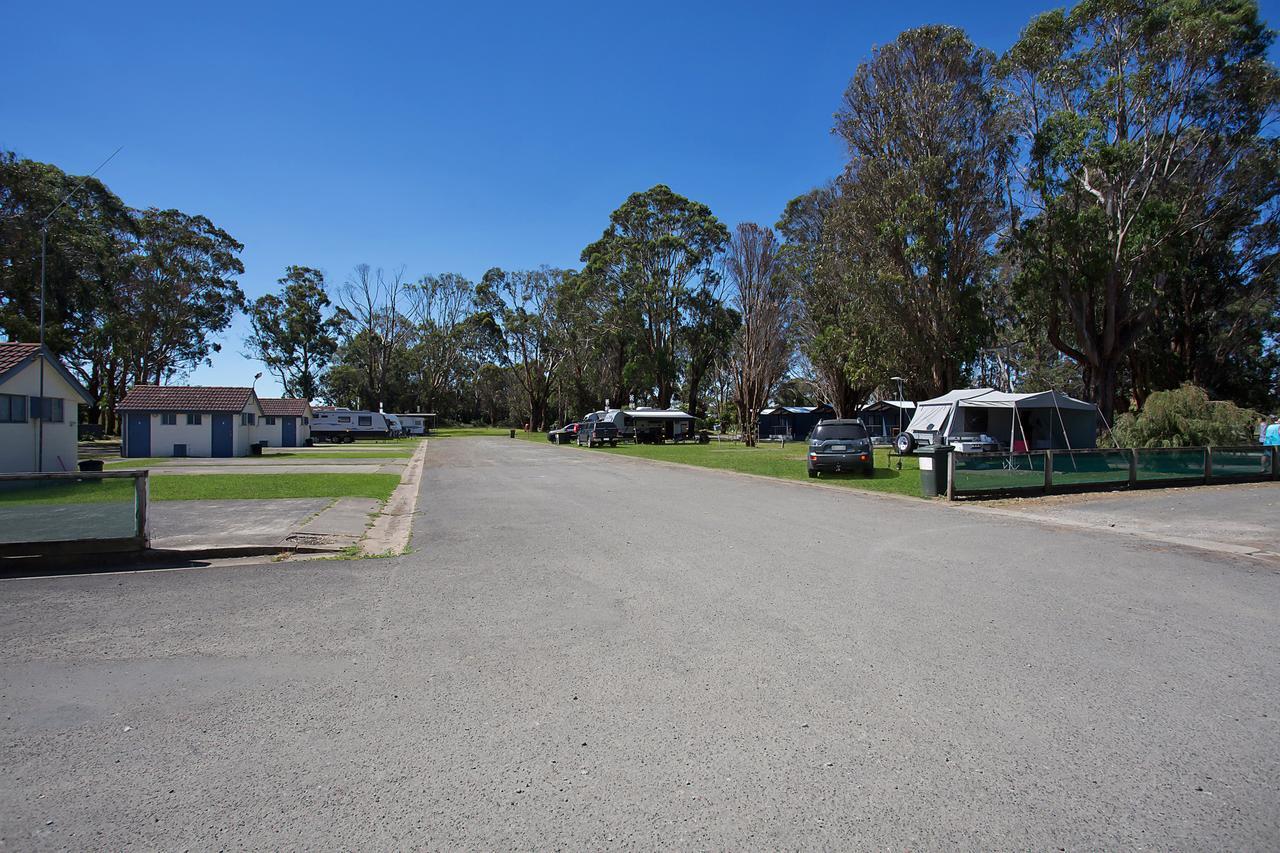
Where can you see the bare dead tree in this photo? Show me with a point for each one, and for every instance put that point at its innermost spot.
(760, 294)
(371, 299)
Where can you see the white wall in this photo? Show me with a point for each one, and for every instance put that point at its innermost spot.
(197, 438)
(273, 434)
(18, 442)
(268, 433)
(242, 435)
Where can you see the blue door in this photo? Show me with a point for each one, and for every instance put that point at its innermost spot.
(289, 436)
(223, 441)
(137, 437)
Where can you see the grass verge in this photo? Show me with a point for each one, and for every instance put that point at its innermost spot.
(211, 487)
(773, 460)
(470, 432)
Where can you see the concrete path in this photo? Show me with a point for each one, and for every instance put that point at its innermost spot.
(229, 524)
(341, 525)
(1241, 519)
(590, 652)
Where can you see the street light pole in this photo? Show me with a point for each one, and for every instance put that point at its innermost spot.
(44, 243)
(898, 379)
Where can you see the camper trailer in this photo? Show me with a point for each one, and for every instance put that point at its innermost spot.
(977, 420)
(346, 425)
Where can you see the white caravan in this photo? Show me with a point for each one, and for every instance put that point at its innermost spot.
(346, 425)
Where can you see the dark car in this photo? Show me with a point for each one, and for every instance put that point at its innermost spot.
(597, 433)
(564, 435)
(840, 445)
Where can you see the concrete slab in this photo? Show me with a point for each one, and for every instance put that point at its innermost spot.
(218, 524)
(393, 529)
(1237, 519)
(341, 524)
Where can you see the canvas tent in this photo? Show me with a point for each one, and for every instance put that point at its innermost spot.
(1045, 420)
(887, 417)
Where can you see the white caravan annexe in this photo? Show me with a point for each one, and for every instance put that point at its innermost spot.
(1046, 420)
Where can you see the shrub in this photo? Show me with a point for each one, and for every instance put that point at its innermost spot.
(1186, 417)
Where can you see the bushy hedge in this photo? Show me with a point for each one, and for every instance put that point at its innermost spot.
(1186, 417)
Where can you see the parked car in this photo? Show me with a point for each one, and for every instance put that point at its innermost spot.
(597, 433)
(840, 445)
(564, 435)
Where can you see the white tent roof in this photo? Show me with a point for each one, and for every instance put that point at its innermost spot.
(936, 415)
(986, 398)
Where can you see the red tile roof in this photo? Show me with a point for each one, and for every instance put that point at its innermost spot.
(13, 354)
(283, 406)
(183, 398)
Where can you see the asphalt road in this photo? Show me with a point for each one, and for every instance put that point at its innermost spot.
(591, 652)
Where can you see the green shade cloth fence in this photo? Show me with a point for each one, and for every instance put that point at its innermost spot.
(977, 474)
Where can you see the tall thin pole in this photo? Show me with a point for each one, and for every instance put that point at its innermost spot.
(44, 241)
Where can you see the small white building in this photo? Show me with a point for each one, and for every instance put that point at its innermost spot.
(180, 420)
(22, 417)
(285, 422)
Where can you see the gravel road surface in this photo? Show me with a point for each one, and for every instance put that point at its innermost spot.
(597, 652)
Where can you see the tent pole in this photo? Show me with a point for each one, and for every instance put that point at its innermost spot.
(1030, 465)
(1063, 424)
(1011, 426)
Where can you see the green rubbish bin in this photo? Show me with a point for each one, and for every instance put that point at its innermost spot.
(933, 469)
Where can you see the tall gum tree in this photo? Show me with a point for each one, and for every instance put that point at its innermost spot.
(1132, 111)
(658, 251)
(920, 205)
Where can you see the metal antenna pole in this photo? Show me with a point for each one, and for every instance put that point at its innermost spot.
(44, 241)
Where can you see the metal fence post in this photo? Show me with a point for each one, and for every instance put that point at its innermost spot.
(1208, 465)
(1275, 463)
(951, 475)
(1133, 467)
(1048, 470)
(141, 494)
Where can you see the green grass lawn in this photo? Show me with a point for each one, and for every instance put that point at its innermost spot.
(471, 432)
(140, 462)
(304, 455)
(68, 492)
(770, 460)
(211, 487)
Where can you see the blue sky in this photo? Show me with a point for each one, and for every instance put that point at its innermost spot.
(444, 137)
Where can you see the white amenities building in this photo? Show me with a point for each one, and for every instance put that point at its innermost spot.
(180, 420)
(22, 416)
(285, 422)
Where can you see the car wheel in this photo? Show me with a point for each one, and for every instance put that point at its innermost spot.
(905, 442)
(813, 474)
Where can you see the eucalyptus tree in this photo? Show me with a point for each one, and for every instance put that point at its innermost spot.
(294, 334)
(921, 203)
(372, 303)
(521, 310)
(1138, 116)
(829, 325)
(763, 345)
(440, 306)
(658, 252)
